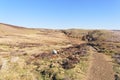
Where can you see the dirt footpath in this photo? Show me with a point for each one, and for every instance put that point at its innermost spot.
(100, 68)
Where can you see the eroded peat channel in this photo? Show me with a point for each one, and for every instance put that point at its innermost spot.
(68, 64)
(78, 62)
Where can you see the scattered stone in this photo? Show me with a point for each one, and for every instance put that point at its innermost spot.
(14, 59)
(4, 64)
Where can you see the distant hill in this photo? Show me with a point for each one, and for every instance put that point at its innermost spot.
(15, 34)
(11, 29)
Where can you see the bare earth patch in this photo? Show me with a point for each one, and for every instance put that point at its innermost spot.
(100, 68)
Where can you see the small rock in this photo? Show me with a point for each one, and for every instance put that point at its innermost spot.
(54, 52)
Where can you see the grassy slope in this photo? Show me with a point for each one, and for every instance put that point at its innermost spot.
(19, 46)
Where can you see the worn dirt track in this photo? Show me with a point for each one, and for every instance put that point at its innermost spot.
(100, 68)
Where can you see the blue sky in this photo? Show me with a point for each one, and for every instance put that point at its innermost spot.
(61, 14)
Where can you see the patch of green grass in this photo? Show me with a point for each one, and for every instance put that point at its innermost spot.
(116, 68)
(18, 71)
(83, 66)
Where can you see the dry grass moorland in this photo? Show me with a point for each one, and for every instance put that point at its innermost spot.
(27, 54)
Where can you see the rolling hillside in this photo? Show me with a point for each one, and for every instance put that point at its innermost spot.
(29, 54)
